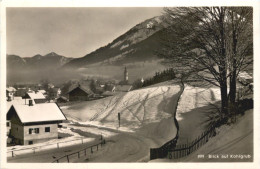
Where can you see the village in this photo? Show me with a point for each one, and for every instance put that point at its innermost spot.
(173, 88)
(39, 119)
(45, 99)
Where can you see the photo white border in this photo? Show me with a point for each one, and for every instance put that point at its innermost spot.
(132, 3)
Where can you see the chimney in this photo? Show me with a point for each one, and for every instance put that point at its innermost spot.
(9, 98)
(30, 103)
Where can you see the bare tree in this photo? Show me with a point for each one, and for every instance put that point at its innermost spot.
(239, 45)
(198, 42)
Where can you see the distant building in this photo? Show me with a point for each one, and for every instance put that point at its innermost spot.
(43, 92)
(50, 86)
(32, 124)
(36, 97)
(62, 99)
(10, 91)
(125, 76)
(21, 92)
(80, 93)
(54, 92)
(123, 88)
(110, 87)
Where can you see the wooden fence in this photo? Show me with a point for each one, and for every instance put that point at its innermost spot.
(163, 151)
(80, 153)
(14, 152)
(172, 150)
(185, 149)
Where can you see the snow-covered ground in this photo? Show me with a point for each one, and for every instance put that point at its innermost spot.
(232, 143)
(192, 111)
(137, 108)
(73, 139)
(146, 121)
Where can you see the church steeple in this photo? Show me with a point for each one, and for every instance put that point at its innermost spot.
(125, 75)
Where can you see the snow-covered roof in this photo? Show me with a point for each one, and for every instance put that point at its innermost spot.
(10, 89)
(50, 85)
(63, 98)
(39, 112)
(37, 95)
(83, 88)
(244, 75)
(42, 91)
(123, 88)
(15, 100)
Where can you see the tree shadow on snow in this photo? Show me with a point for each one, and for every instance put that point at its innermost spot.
(193, 123)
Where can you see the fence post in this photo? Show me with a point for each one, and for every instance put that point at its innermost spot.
(82, 140)
(170, 155)
(181, 149)
(68, 158)
(197, 143)
(185, 150)
(189, 149)
(58, 145)
(97, 147)
(78, 154)
(12, 153)
(85, 152)
(91, 151)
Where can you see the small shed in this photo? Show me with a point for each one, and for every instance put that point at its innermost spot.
(62, 99)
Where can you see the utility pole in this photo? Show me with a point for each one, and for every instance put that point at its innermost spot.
(118, 119)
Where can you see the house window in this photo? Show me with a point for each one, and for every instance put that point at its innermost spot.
(7, 124)
(47, 129)
(37, 130)
(30, 142)
(34, 131)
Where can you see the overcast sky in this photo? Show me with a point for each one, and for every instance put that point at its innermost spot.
(72, 32)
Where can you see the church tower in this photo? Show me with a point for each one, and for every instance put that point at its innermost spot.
(125, 75)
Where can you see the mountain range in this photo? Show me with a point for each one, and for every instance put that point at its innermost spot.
(135, 49)
(48, 61)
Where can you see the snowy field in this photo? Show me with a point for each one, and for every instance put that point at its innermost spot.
(137, 108)
(146, 122)
(192, 111)
(235, 142)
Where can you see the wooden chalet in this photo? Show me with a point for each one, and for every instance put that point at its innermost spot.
(32, 124)
(36, 97)
(80, 93)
